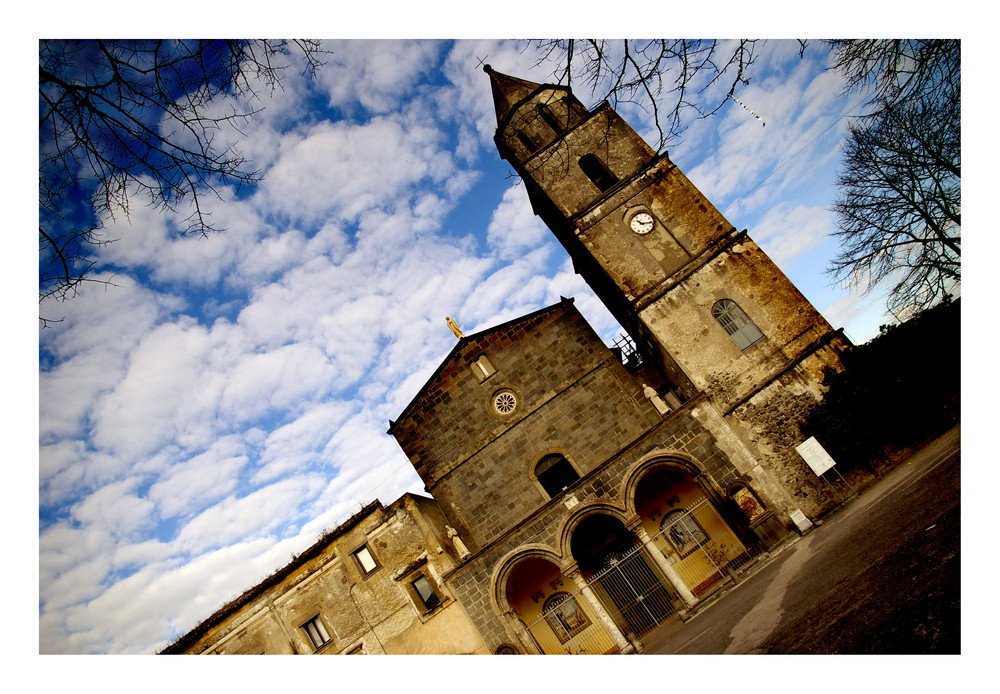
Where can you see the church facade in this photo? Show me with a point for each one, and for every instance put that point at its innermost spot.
(585, 495)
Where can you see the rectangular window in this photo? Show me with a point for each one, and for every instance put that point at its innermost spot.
(482, 368)
(366, 560)
(316, 631)
(425, 591)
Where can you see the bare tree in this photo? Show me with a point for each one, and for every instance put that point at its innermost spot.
(899, 210)
(671, 78)
(124, 117)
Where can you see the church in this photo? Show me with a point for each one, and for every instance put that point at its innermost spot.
(581, 496)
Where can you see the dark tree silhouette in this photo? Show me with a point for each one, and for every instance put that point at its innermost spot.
(119, 118)
(899, 210)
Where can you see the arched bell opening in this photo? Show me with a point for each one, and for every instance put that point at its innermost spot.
(687, 529)
(622, 574)
(552, 610)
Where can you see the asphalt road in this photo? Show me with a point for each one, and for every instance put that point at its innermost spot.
(880, 576)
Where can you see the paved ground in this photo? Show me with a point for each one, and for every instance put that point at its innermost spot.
(880, 576)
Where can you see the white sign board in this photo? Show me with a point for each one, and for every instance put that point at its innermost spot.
(800, 520)
(815, 456)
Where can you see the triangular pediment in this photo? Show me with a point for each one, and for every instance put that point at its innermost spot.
(469, 344)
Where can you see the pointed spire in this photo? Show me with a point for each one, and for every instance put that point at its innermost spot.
(508, 91)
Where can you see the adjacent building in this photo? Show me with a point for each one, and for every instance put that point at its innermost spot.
(372, 585)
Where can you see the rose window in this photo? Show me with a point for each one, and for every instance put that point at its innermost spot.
(504, 402)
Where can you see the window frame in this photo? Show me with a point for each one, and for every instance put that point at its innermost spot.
(686, 518)
(365, 573)
(436, 599)
(420, 604)
(551, 119)
(554, 459)
(526, 141)
(597, 171)
(482, 368)
(321, 629)
(557, 609)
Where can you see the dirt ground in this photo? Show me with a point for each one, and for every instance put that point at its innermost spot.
(880, 576)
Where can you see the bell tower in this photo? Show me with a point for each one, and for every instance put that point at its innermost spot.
(703, 302)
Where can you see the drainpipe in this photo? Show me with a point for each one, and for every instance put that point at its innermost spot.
(281, 623)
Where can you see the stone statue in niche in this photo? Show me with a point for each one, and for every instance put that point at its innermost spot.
(654, 398)
(456, 541)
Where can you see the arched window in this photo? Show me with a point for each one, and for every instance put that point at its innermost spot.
(736, 323)
(555, 473)
(526, 141)
(564, 616)
(683, 531)
(597, 172)
(546, 113)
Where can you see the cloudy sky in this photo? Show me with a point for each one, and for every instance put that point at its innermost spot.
(227, 399)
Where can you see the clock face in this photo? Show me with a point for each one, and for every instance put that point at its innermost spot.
(642, 223)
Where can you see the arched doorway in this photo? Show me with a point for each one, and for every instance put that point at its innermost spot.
(555, 614)
(622, 574)
(687, 528)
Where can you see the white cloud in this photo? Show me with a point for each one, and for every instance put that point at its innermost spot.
(339, 170)
(514, 227)
(168, 392)
(68, 470)
(786, 231)
(233, 519)
(299, 443)
(115, 509)
(374, 74)
(203, 478)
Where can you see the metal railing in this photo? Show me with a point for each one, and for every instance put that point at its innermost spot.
(701, 547)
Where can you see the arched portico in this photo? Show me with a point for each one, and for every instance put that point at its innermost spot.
(679, 510)
(556, 611)
(616, 565)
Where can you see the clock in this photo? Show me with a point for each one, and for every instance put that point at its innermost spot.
(642, 223)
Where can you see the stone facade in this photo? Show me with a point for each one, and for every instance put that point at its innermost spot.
(577, 400)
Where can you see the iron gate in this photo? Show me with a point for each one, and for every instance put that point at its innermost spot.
(703, 552)
(630, 587)
(631, 591)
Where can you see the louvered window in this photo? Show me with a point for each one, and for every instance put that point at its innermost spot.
(736, 323)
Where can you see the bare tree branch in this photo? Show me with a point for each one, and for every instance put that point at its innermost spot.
(670, 78)
(122, 117)
(899, 211)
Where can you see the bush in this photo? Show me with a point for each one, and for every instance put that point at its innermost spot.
(899, 389)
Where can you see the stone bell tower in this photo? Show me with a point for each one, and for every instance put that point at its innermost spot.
(703, 302)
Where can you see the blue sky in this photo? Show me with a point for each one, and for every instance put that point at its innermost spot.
(226, 401)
